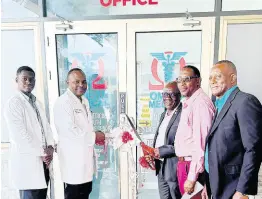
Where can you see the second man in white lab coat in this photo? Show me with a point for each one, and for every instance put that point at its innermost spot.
(76, 137)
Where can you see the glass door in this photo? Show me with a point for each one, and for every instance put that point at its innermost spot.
(98, 48)
(151, 52)
(157, 49)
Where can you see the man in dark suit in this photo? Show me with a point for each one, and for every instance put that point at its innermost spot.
(165, 159)
(233, 147)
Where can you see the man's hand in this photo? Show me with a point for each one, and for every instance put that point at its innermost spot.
(149, 158)
(204, 193)
(100, 137)
(156, 153)
(49, 150)
(239, 195)
(189, 186)
(47, 159)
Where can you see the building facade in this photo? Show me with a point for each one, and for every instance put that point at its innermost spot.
(127, 50)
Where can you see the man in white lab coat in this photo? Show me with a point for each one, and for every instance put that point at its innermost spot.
(76, 137)
(31, 139)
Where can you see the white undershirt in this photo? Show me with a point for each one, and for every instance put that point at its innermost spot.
(160, 141)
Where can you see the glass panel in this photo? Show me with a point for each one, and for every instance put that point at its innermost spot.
(20, 8)
(96, 55)
(79, 8)
(15, 52)
(246, 54)
(229, 5)
(160, 55)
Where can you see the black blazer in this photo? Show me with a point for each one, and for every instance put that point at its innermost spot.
(234, 146)
(167, 151)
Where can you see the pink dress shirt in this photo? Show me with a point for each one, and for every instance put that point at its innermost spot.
(195, 122)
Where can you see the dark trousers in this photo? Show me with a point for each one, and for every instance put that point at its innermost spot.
(77, 191)
(36, 193)
(167, 189)
(207, 184)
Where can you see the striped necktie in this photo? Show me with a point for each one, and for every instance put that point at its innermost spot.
(32, 100)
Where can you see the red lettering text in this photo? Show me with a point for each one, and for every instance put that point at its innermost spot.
(152, 2)
(115, 2)
(105, 4)
(141, 2)
(124, 2)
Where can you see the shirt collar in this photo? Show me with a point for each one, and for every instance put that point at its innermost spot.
(175, 109)
(187, 102)
(75, 97)
(223, 99)
(31, 96)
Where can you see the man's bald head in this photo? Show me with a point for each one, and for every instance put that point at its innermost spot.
(223, 76)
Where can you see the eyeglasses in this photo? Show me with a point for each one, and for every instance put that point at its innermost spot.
(170, 95)
(185, 79)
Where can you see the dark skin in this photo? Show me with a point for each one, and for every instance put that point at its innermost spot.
(222, 78)
(170, 104)
(26, 83)
(78, 85)
(187, 89)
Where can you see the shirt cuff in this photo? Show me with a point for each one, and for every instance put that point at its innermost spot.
(192, 176)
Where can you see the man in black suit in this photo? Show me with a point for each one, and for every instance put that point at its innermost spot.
(233, 147)
(165, 159)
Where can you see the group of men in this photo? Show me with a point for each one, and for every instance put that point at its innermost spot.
(216, 144)
(32, 143)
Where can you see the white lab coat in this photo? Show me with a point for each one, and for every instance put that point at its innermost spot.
(26, 165)
(76, 138)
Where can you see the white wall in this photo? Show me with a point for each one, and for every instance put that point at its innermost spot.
(17, 49)
(244, 48)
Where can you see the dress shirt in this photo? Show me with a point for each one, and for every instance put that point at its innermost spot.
(220, 102)
(195, 123)
(160, 141)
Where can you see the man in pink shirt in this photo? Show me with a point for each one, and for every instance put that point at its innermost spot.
(196, 118)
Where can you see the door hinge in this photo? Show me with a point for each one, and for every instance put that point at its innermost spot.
(50, 75)
(47, 39)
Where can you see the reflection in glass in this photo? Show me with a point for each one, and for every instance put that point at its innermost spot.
(20, 8)
(96, 55)
(160, 56)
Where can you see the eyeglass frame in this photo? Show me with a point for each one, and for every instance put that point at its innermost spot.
(190, 78)
(176, 94)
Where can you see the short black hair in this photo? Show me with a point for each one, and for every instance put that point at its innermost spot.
(194, 69)
(24, 68)
(74, 69)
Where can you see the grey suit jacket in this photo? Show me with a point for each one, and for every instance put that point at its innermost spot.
(167, 151)
(234, 146)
